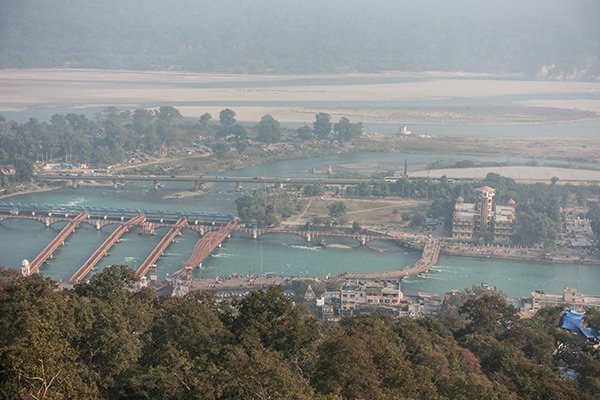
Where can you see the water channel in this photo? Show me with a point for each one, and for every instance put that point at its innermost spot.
(271, 254)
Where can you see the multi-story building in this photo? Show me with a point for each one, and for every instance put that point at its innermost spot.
(361, 294)
(483, 220)
(504, 222)
(485, 206)
(463, 224)
(569, 298)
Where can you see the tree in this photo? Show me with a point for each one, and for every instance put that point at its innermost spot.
(253, 209)
(2, 161)
(322, 125)
(337, 209)
(417, 219)
(268, 129)
(594, 216)
(23, 170)
(37, 329)
(220, 149)
(346, 369)
(346, 131)
(312, 190)
(168, 114)
(261, 374)
(272, 319)
(143, 125)
(305, 133)
(239, 131)
(534, 228)
(488, 314)
(205, 120)
(227, 117)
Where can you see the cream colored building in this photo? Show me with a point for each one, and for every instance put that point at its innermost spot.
(569, 298)
(359, 294)
(483, 220)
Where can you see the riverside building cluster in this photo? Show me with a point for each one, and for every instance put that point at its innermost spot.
(482, 219)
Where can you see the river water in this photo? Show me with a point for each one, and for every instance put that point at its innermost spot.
(272, 254)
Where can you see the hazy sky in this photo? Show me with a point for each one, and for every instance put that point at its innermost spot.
(514, 36)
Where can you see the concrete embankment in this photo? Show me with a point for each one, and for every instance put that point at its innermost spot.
(517, 254)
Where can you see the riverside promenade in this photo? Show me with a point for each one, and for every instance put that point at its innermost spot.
(534, 255)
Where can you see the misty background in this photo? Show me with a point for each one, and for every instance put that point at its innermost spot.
(547, 39)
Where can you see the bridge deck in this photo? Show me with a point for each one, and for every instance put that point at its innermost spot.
(429, 257)
(205, 246)
(47, 252)
(104, 248)
(161, 247)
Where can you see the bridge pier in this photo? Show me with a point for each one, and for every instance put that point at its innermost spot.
(156, 184)
(308, 237)
(278, 185)
(254, 233)
(238, 187)
(363, 240)
(198, 186)
(47, 222)
(75, 183)
(115, 184)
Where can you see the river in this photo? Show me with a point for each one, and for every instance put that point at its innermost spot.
(273, 254)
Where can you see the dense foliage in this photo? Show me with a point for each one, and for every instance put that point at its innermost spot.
(253, 209)
(305, 36)
(102, 340)
(115, 135)
(108, 138)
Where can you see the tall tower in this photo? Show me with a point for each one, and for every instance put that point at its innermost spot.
(485, 194)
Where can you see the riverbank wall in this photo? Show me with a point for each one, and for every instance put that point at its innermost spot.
(510, 254)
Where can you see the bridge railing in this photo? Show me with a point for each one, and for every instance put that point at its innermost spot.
(9, 208)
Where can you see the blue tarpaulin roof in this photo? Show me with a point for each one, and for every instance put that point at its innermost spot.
(572, 321)
(589, 333)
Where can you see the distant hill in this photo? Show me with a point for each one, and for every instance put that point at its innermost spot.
(553, 39)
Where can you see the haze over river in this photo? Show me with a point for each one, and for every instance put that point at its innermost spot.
(280, 254)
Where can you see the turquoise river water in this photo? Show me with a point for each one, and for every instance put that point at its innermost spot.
(273, 254)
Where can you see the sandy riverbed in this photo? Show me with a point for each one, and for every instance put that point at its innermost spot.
(34, 88)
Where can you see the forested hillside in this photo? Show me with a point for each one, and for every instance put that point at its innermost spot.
(104, 341)
(547, 38)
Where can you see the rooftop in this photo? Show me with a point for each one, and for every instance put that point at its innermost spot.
(486, 189)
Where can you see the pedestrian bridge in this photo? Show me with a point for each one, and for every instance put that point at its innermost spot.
(52, 213)
(214, 229)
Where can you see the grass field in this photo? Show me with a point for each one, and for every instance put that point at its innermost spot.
(368, 212)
